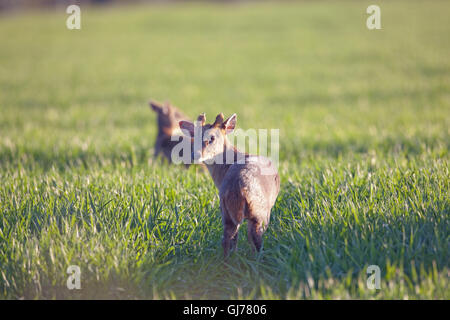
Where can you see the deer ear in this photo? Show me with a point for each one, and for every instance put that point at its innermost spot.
(229, 124)
(202, 119)
(187, 127)
(156, 106)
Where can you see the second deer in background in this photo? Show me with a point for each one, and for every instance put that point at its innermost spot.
(168, 125)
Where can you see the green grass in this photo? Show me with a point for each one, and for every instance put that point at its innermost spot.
(364, 120)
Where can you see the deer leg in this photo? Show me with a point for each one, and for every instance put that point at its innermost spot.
(158, 146)
(232, 216)
(234, 241)
(230, 236)
(255, 231)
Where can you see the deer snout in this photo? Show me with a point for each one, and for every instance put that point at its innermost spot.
(196, 156)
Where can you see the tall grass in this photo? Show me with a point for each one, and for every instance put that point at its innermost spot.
(363, 118)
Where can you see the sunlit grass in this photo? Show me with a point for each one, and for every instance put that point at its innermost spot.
(363, 118)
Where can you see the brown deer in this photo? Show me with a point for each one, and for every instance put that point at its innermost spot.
(248, 185)
(168, 124)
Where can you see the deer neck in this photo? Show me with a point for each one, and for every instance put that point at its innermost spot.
(219, 168)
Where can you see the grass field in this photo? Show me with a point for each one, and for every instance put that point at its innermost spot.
(364, 120)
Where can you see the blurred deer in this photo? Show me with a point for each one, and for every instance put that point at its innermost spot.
(248, 185)
(168, 125)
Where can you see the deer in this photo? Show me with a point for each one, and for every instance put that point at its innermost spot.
(168, 124)
(248, 185)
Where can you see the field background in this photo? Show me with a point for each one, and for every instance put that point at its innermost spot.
(364, 120)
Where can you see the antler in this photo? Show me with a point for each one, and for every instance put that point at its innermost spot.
(202, 119)
(219, 120)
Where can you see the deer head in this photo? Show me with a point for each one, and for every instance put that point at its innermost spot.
(168, 115)
(212, 138)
